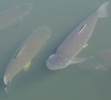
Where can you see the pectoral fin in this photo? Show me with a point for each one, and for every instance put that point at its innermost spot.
(27, 66)
(78, 60)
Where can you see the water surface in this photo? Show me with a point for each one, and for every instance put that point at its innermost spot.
(71, 83)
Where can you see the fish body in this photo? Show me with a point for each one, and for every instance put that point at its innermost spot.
(12, 15)
(26, 52)
(75, 41)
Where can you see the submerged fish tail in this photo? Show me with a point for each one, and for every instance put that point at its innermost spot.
(2, 83)
(102, 10)
(3, 90)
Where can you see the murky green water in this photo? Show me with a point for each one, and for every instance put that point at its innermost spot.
(72, 83)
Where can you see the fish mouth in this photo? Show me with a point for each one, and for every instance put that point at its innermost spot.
(56, 62)
(51, 66)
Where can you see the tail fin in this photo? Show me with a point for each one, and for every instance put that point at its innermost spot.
(3, 91)
(102, 10)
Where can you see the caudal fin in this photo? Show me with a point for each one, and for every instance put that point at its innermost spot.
(102, 10)
(3, 91)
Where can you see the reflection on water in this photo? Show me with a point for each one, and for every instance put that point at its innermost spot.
(75, 41)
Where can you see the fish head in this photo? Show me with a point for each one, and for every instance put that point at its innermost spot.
(56, 62)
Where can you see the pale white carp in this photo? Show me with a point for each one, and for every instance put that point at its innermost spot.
(26, 52)
(68, 50)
